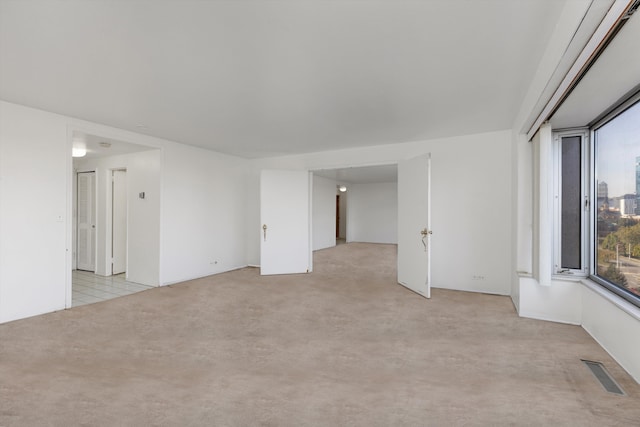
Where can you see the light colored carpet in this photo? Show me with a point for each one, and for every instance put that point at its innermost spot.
(344, 346)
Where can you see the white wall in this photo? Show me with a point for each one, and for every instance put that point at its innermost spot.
(472, 237)
(143, 215)
(558, 302)
(615, 324)
(373, 213)
(323, 213)
(143, 228)
(202, 204)
(35, 165)
(203, 211)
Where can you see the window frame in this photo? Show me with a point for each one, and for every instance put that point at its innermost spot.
(606, 118)
(585, 195)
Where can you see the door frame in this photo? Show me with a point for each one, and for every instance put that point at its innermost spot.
(396, 162)
(110, 218)
(109, 133)
(337, 216)
(335, 167)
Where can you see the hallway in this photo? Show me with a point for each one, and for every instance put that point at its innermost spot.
(89, 287)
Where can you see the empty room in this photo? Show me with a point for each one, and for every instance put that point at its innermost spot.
(319, 213)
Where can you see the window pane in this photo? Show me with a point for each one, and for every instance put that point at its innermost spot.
(618, 185)
(571, 203)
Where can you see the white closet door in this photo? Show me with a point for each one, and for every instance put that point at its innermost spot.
(86, 227)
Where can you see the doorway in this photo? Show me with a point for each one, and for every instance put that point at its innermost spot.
(341, 216)
(371, 216)
(114, 230)
(383, 209)
(337, 216)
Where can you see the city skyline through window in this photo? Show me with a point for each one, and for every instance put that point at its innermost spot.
(617, 169)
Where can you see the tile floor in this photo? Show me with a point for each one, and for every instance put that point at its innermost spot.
(89, 288)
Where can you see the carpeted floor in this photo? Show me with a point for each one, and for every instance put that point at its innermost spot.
(343, 346)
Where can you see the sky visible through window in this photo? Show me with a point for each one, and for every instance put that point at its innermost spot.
(618, 147)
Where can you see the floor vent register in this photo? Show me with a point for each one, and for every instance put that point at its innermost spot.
(601, 374)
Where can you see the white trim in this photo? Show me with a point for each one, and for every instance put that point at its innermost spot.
(547, 318)
(109, 222)
(310, 221)
(69, 223)
(352, 165)
(190, 278)
(593, 191)
(588, 55)
(429, 281)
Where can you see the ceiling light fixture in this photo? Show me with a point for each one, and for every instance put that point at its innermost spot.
(342, 188)
(78, 152)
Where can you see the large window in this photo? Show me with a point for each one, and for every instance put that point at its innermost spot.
(617, 213)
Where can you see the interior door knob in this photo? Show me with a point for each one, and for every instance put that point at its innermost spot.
(424, 232)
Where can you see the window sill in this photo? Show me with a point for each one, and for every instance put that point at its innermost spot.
(614, 299)
(569, 277)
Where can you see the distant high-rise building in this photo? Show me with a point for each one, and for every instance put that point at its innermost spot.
(603, 189)
(638, 185)
(603, 196)
(628, 204)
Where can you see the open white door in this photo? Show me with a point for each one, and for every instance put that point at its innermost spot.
(285, 246)
(86, 227)
(119, 219)
(413, 224)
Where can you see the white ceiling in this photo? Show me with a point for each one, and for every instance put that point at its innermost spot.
(97, 146)
(361, 175)
(264, 78)
(615, 73)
